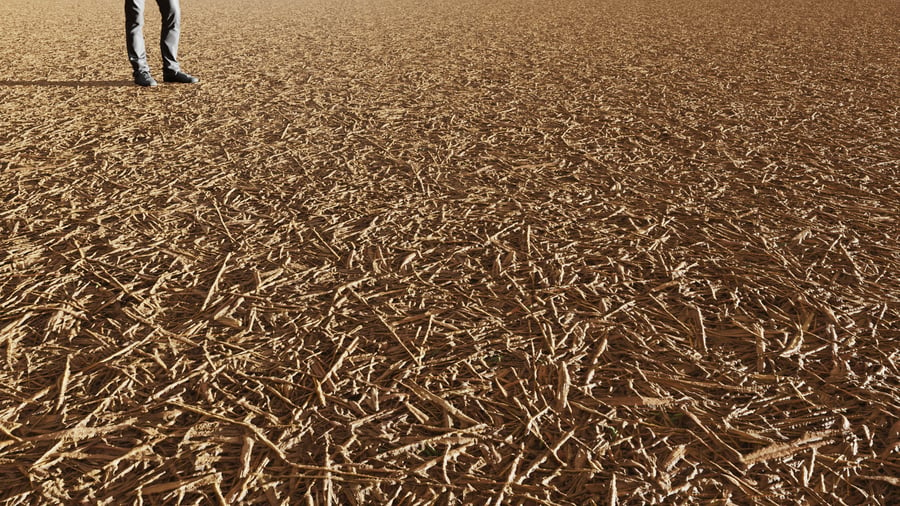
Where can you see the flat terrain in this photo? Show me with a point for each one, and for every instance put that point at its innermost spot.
(418, 251)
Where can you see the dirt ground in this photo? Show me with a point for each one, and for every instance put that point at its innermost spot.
(452, 252)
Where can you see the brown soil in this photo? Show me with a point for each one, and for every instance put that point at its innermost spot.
(419, 251)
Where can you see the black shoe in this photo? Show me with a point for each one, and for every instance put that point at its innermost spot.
(179, 77)
(143, 78)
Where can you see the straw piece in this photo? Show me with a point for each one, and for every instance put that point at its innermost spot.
(446, 406)
(781, 450)
(215, 282)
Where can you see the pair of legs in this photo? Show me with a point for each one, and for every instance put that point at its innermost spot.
(168, 41)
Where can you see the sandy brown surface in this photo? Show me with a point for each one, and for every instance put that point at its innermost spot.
(415, 252)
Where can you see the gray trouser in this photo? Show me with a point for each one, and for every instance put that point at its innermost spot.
(168, 39)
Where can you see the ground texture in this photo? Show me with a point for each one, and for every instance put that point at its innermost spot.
(415, 252)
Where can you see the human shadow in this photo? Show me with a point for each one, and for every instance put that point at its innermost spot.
(69, 84)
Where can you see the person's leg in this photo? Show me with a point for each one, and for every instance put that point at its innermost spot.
(168, 42)
(134, 35)
(171, 32)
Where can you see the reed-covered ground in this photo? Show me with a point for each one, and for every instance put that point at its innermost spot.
(417, 252)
